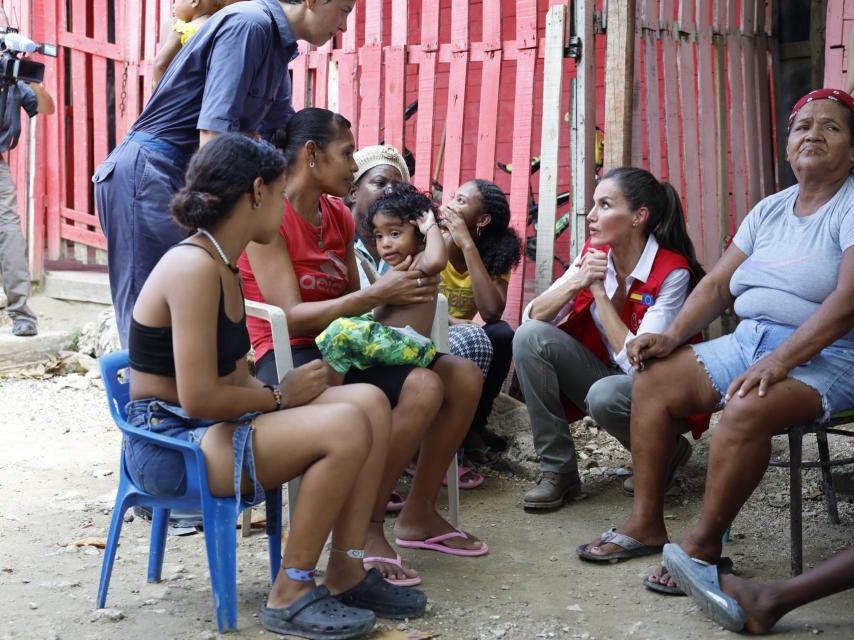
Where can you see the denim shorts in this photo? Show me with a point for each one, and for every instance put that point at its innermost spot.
(161, 471)
(830, 372)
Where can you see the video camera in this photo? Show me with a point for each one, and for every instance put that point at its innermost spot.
(13, 66)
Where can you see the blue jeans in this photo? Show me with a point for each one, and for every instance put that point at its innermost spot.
(161, 471)
(830, 372)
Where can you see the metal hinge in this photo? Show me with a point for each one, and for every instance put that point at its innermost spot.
(574, 49)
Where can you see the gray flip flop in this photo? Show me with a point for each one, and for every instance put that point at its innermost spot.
(318, 616)
(700, 581)
(384, 599)
(631, 548)
(724, 566)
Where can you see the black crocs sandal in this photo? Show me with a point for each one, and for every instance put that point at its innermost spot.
(318, 616)
(384, 599)
(724, 566)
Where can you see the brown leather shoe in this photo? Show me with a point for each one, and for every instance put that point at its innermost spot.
(552, 490)
(678, 458)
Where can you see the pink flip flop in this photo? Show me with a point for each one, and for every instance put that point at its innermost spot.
(474, 481)
(395, 502)
(398, 562)
(435, 544)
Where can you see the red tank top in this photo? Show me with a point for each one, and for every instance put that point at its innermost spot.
(321, 271)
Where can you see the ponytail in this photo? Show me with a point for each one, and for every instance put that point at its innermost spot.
(320, 125)
(666, 217)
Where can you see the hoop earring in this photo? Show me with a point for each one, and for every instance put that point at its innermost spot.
(256, 205)
(311, 164)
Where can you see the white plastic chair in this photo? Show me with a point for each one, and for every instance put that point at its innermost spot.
(284, 363)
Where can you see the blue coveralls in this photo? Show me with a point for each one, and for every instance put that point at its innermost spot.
(230, 76)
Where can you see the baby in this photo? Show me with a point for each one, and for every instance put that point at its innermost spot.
(403, 223)
(190, 15)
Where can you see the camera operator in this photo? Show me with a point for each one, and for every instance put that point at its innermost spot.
(14, 272)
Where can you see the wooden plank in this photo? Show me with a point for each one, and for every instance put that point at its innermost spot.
(426, 94)
(672, 115)
(455, 114)
(708, 134)
(395, 76)
(690, 139)
(637, 103)
(83, 217)
(766, 130)
(523, 115)
(321, 77)
(130, 12)
(721, 114)
(490, 83)
(736, 116)
(652, 102)
(82, 237)
(100, 120)
(82, 131)
(348, 73)
(583, 135)
(300, 84)
(619, 67)
(753, 139)
(371, 60)
(550, 146)
(92, 46)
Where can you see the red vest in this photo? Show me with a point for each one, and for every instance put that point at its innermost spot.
(640, 297)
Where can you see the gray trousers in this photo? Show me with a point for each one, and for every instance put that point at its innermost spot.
(551, 363)
(13, 258)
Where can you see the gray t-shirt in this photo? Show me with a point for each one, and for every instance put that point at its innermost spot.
(793, 262)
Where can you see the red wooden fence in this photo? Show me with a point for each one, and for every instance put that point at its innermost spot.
(701, 116)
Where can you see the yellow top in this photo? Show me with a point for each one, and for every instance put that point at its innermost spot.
(457, 288)
(186, 29)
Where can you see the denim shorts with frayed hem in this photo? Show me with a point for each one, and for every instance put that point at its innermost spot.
(830, 372)
(161, 471)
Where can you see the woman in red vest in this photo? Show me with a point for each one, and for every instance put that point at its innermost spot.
(570, 352)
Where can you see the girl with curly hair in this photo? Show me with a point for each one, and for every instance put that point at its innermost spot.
(482, 251)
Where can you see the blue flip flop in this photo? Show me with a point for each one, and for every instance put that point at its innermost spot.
(700, 582)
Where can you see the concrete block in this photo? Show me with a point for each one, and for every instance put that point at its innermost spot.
(83, 286)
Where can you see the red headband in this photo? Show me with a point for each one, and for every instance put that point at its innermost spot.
(837, 95)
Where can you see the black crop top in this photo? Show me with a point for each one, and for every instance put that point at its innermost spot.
(150, 348)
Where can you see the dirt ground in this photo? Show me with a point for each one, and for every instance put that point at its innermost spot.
(58, 468)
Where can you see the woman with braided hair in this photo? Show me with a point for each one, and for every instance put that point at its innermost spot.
(482, 251)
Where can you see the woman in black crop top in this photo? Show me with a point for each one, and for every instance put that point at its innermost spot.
(189, 380)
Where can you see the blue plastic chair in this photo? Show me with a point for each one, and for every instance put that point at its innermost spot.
(219, 515)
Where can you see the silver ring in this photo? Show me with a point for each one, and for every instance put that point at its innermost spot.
(418, 282)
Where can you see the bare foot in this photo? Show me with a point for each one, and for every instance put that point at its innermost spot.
(651, 536)
(662, 577)
(409, 527)
(756, 599)
(377, 546)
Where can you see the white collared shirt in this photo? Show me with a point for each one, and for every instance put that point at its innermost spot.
(657, 318)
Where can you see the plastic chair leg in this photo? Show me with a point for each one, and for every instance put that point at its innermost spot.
(116, 522)
(157, 548)
(219, 517)
(827, 477)
(795, 507)
(453, 480)
(273, 502)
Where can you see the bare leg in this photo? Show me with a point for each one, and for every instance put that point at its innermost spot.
(739, 454)
(656, 404)
(328, 445)
(419, 519)
(351, 527)
(420, 399)
(764, 604)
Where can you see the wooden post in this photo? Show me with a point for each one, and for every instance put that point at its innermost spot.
(583, 126)
(370, 85)
(550, 144)
(619, 69)
(395, 76)
(490, 84)
(426, 94)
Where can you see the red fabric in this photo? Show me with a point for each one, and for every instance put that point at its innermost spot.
(836, 95)
(321, 273)
(579, 323)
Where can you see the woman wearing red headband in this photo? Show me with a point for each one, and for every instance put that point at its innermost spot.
(790, 274)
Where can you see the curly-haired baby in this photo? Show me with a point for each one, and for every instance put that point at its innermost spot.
(403, 224)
